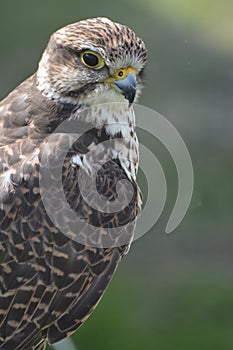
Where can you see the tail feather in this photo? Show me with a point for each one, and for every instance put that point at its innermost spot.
(35, 340)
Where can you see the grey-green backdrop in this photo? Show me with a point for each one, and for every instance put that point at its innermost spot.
(171, 291)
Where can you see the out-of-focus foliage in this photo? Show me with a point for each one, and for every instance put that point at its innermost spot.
(171, 291)
(212, 19)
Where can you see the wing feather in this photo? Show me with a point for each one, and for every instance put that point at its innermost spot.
(49, 284)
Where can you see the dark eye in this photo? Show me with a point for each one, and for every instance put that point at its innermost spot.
(141, 74)
(92, 60)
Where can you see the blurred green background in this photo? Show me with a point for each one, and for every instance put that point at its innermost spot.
(171, 291)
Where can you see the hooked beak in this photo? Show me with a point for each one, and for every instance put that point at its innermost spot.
(127, 87)
(124, 81)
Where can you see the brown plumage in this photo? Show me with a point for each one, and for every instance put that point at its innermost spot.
(52, 274)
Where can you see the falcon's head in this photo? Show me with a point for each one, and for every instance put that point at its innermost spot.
(91, 62)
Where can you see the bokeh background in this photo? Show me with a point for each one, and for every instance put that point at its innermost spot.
(171, 291)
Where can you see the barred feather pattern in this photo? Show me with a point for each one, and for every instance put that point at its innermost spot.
(49, 281)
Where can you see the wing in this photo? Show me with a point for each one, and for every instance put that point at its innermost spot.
(49, 283)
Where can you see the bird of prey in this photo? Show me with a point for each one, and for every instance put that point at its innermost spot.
(52, 275)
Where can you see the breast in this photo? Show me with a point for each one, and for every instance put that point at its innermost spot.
(117, 138)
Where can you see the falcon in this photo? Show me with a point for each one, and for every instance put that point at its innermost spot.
(68, 146)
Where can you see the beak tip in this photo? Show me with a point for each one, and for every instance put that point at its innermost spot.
(127, 87)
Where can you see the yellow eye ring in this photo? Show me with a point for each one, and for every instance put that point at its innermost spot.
(92, 60)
